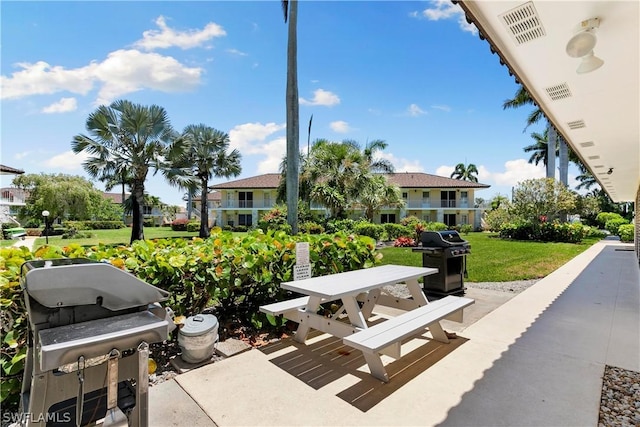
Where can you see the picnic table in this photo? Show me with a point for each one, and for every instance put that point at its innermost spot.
(359, 291)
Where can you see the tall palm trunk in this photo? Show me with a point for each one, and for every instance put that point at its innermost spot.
(551, 151)
(563, 160)
(204, 209)
(293, 125)
(137, 202)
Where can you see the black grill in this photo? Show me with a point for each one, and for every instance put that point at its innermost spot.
(446, 251)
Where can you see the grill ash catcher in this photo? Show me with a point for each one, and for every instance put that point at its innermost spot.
(446, 251)
(90, 326)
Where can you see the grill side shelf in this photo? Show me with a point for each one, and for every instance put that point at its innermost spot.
(62, 345)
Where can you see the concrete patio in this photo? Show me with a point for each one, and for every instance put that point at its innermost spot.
(536, 359)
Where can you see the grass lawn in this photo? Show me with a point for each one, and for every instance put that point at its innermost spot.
(496, 260)
(5, 243)
(121, 235)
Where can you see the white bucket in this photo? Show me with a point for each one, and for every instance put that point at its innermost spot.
(198, 338)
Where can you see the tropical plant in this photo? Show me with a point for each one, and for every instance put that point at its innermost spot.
(541, 200)
(197, 155)
(126, 137)
(290, 9)
(465, 172)
(377, 193)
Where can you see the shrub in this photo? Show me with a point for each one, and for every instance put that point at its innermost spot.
(345, 225)
(613, 224)
(77, 225)
(403, 242)
(179, 224)
(193, 226)
(466, 228)
(240, 228)
(311, 227)
(368, 229)
(626, 232)
(603, 217)
(75, 234)
(544, 232)
(410, 220)
(496, 218)
(435, 226)
(394, 231)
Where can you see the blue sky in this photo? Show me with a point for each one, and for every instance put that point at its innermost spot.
(411, 73)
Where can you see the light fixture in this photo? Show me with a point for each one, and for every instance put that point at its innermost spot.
(610, 171)
(581, 46)
(45, 214)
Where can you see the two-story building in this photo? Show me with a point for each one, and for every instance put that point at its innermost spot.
(11, 198)
(428, 197)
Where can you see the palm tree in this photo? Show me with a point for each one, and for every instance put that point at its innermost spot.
(126, 136)
(521, 98)
(197, 155)
(290, 9)
(377, 193)
(587, 181)
(465, 173)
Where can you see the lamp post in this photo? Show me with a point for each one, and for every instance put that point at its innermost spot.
(45, 214)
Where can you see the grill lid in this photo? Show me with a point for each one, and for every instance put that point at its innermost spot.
(440, 239)
(72, 282)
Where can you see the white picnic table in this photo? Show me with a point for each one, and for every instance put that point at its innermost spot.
(366, 286)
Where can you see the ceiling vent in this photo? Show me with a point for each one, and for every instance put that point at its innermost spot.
(523, 23)
(558, 92)
(593, 157)
(598, 166)
(576, 124)
(587, 144)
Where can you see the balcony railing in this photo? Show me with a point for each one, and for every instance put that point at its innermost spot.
(447, 203)
(246, 204)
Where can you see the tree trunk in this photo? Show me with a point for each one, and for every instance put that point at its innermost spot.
(551, 151)
(137, 201)
(124, 213)
(204, 210)
(189, 204)
(293, 125)
(563, 160)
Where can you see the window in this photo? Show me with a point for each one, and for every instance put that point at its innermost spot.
(267, 200)
(464, 219)
(448, 199)
(245, 219)
(229, 200)
(245, 199)
(147, 210)
(464, 199)
(7, 195)
(405, 196)
(385, 218)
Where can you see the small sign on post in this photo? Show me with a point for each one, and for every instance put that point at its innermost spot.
(302, 269)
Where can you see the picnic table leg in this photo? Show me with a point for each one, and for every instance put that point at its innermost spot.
(370, 302)
(438, 333)
(356, 316)
(421, 300)
(376, 367)
(303, 327)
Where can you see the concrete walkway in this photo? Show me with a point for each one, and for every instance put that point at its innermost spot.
(536, 360)
(28, 241)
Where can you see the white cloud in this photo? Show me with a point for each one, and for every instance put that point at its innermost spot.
(400, 164)
(126, 71)
(62, 106)
(340, 126)
(442, 107)
(250, 138)
(274, 152)
(67, 161)
(22, 155)
(444, 9)
(167, 37)
(322, 97)
(414, 110)
(236, 52)
(122, 72)
(43, 79)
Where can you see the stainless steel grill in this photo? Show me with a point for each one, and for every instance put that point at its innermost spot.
(446, 251)
(90, 326)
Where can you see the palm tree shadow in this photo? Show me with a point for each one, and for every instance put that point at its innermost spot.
(327, 360)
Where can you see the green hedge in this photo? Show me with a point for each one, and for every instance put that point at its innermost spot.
(544, 232)
(94, 225)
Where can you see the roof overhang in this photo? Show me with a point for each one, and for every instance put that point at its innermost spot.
(597, 113)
